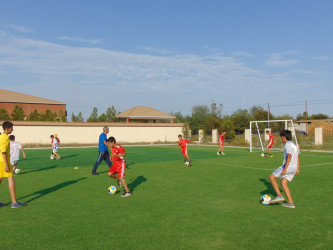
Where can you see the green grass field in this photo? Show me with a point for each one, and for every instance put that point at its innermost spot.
(212, 205)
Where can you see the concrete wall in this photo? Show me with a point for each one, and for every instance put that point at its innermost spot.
(88, 133)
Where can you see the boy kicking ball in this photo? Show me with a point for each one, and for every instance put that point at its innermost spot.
(117, 171)
(287, 171)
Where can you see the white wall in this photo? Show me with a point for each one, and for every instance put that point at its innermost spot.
(40, 134)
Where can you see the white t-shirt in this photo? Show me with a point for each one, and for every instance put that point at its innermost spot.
(290, 148)
(15, 151)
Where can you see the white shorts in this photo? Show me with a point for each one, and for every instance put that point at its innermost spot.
(55, 149)
(13, 163)
(289, 175)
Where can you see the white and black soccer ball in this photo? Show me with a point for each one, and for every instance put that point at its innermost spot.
(112, 190)
(187, 163)
(17, 171)
(265, 199)
(263, 155)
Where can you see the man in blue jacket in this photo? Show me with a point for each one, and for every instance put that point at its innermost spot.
(103, 152)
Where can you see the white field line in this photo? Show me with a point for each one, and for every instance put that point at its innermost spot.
(319, 164)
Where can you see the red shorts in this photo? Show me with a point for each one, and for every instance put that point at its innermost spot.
(184, 151)
(118, 167)
(270, 145)
(221, 143)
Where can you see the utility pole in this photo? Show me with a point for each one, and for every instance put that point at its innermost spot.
(306, 116)
(268, 115)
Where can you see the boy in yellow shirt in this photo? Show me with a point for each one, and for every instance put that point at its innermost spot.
(6, 170)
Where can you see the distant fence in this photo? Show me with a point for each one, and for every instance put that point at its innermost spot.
(30, 132)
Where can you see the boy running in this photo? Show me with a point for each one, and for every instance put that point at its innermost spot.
(287, 171)
(6, 169)
(55, 147)
(183, 145)
(119, 164)
(271, 141)
(221, 140)
(15, 148)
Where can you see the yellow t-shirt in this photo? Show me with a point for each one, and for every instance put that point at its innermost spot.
(5, 148)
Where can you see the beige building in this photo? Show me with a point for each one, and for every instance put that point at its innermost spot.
(29, 103)
(145, 114)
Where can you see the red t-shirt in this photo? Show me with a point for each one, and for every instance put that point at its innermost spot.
(117, 150)
(183, 143)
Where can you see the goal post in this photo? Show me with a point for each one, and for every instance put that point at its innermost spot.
(260, 127)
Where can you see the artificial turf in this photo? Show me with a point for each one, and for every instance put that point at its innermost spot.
(214, 204)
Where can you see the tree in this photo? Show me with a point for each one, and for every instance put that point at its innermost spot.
(319, 116)
(80, 117)
(18, 113)
(179, 118)
(199, 117)
(228, 127)
(34, 116)
(62, 116)
(102, 118)
(111, 114)
(93, 116)
(241, 119)
(48, 116)
(4, 116)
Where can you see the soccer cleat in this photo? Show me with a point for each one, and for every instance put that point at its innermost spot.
(126, 194)
(218, 153)
(289, 205)
(94, 173)
(277, 199)
(19, 204)
(3, 204)
(223, 153)
(271, 155)
(119, 184)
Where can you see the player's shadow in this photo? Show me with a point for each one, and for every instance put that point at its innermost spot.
(269, 189)
(38, 170)
(138, 180)
(41, 193)
(68, 156)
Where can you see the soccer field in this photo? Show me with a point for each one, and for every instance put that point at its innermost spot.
(212, 205)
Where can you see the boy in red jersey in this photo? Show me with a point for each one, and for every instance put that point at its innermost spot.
(221, 139)
(183, 145)
(118, 167)
(271, 141)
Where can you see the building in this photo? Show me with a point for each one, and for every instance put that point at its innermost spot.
(29, 103)
(308, 127)
(145, 114)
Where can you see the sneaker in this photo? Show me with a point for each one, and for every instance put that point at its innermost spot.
(119, 184)
(222, 153)
(126, 194)
(277, 199)
(94, 173)
(289, 205)
(3, 204)
(218, 153)
(19, 204)
(271, 156)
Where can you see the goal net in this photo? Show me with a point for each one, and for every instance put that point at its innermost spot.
(259, 138)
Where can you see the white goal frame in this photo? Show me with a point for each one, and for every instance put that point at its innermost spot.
(268, 122)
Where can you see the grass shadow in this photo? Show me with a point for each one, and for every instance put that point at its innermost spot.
(269, 189)
(43, 192)
(68, 156)
(138, 180)
(37, 170)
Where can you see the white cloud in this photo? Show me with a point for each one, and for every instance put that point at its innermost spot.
(278, 60)
(19, 28)
(77, 39)
(321, 58)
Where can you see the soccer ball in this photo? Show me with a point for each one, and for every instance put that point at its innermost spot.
(187, 163)
(112, 190)
(262, 155)
(52, 156)
(17, 171)
(265, 199)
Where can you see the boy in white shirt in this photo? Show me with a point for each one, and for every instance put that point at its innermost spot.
(287, 171)
(55, 146)
(15, 148)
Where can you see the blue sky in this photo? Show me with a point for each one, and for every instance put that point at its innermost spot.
(170, 55)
